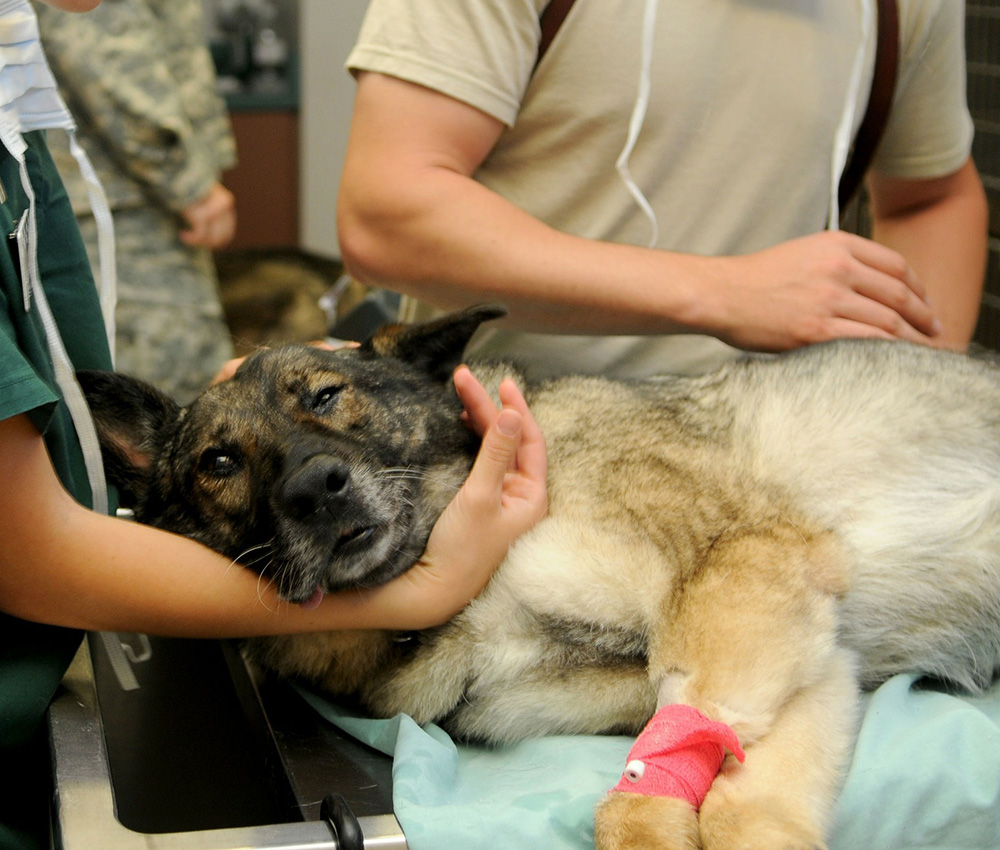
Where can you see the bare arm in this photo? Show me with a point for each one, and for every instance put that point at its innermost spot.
(63, 564)
(411, 218)
(940, 225)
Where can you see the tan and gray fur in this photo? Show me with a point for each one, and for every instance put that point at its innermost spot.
(759, 543)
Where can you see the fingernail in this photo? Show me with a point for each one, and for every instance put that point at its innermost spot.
(508, 422)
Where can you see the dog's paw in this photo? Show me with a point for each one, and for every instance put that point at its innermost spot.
(755, 825)
(637, 822)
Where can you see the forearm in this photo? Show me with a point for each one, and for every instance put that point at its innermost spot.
(451, 242)
(63, 564)
(151, 581)
(945, 242)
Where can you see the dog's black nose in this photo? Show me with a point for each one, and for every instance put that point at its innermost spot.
(321, 482)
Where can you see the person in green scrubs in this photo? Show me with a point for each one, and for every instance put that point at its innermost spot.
(66, 566)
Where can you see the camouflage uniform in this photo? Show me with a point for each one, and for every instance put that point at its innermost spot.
(138, 77)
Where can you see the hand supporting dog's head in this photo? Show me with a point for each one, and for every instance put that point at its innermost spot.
(321, 470)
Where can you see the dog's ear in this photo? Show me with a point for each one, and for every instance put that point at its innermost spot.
(129, 415)
(435, 346)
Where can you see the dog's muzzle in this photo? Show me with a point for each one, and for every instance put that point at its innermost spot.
(318, 489)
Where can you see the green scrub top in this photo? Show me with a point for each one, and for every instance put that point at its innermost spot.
(33, 657)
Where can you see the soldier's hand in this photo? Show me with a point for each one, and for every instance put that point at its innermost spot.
(212, 220)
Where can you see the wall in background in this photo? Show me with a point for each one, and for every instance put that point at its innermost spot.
(255, 47)
(327, 31)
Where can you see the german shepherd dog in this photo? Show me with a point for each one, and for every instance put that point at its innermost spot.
(757, 543)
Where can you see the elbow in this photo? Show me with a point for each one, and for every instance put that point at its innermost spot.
(390, 233)
(373, 239)
(362, 244)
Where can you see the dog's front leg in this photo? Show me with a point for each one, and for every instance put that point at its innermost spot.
(749, 642)
(428, 682)
(783, 794)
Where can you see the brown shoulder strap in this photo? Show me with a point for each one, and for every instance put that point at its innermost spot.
(551, 19)
(879, 102)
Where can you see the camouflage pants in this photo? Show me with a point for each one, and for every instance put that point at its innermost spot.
(171, 330)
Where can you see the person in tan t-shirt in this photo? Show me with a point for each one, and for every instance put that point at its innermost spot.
(472, 175)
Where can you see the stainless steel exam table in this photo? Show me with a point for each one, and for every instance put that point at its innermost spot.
(169, 743)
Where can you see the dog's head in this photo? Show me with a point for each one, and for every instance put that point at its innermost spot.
(320, 469)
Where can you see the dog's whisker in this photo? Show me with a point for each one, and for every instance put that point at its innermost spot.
(260, 591)
(264, 551)
(267, 544)
(259, 564)
(403, 473)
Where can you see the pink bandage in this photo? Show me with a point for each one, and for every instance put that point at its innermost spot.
(678, 754)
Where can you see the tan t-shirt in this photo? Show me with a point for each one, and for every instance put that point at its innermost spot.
(736, 150)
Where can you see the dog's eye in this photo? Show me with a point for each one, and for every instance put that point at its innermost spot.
(324, 399)
(218, 462)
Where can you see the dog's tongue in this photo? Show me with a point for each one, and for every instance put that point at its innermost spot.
(313, 601)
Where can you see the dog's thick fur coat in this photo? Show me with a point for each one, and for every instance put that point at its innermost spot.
(756, 543)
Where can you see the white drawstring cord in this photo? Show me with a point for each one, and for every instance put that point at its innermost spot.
(845, 130)
(637, 119)
(107, 283)
(64, 373)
